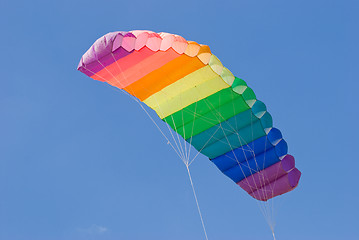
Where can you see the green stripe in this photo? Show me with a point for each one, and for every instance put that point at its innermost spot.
(207, 112)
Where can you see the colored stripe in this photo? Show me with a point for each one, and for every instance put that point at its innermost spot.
(281, 185)
(200, 108)
(93, 67)
(242, 136)
(220, 131)
(247, 168)
(228, 143)
(249, 151)
(268, 175)
(207, 113)
(243, 153)
(192, 88)
(122, 64)
(125, 79)
(158, 79)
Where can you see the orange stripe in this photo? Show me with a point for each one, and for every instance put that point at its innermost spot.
(124, 78)
(164, 76)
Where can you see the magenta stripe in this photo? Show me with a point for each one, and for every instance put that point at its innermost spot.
(280, 186)
(101, 51)
(275, 180)
(94, 67)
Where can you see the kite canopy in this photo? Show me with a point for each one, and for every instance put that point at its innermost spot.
(189, 89)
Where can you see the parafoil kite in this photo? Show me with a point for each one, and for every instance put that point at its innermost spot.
(190, 90)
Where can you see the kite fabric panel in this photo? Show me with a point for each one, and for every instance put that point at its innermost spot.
(189, 89)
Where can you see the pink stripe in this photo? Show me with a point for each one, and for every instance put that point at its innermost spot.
(126, 62)
(139, 69)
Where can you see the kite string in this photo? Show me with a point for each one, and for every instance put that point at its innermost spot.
(195, 197)
(273, 233)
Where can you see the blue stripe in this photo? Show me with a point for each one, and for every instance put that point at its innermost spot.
(253, 157)
(241, 154)
(247, 168)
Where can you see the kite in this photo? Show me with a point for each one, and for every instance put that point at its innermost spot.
(201, 101)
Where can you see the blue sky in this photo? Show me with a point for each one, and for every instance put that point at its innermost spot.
(79, 160)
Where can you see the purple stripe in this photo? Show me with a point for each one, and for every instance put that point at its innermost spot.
(101, 51)
(272, 181)
(280, 186)
(262, 178)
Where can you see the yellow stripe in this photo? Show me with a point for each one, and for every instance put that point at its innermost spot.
(189, 89)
